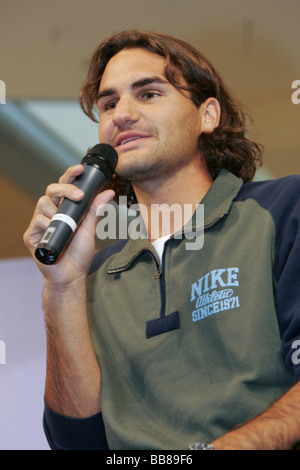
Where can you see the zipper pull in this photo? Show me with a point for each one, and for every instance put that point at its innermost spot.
(158, 273)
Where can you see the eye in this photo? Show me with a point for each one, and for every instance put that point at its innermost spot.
(148, 95)
(110, 104)
(107, 104)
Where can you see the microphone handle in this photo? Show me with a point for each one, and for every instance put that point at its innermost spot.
(91, 181)
(69, 215)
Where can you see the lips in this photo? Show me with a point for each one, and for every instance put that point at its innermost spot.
(128, 137)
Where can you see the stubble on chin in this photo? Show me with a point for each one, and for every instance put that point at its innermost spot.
(141, 172)
(155, 168)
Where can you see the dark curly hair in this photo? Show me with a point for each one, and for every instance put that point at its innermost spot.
(226, 146)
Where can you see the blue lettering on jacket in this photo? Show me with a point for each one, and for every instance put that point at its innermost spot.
(212, 293)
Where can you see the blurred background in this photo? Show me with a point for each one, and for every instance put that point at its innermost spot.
(46, 46)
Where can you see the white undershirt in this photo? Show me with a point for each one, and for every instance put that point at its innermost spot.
(159, 246)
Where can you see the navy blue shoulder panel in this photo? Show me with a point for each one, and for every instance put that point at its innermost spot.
(103, 254)
(274, 195)
(281, 197)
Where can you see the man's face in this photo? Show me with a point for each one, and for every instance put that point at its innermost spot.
(153, 126)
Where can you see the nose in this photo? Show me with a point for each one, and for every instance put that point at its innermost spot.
(126, 113)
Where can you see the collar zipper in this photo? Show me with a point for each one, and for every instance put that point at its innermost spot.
(159, 272)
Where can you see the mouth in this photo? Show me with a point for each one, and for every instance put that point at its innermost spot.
(125, 139)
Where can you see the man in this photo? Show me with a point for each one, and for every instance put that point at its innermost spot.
(149, 352)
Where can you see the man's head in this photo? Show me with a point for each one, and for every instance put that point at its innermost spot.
(154, 125)
(187, 70)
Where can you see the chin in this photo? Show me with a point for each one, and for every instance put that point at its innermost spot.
(138, 172)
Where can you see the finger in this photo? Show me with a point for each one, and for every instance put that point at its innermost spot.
(56, 191)
(45, 206)
(35, 231)
(102, 199)
(71, 173)
(98, 206)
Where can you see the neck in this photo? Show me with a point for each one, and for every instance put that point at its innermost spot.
(167, 203)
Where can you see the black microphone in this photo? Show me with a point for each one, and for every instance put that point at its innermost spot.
(100, 163)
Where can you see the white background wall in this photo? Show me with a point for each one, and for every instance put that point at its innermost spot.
(23, 374)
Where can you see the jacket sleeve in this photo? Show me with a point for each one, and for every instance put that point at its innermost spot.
(65, 433)
(287, 273)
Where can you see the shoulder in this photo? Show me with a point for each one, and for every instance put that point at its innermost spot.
(103, 254)
(281, 196)
(265, 192)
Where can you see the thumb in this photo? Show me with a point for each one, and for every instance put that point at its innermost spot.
(101, 200)
(98, 206)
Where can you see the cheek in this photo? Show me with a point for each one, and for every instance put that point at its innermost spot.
(183, 125)
(103, 131)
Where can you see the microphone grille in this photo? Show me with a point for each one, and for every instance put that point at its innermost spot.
(105, 151)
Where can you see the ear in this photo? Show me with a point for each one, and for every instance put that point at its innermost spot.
(210, 114)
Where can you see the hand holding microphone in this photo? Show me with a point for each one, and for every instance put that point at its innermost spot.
(99, 165)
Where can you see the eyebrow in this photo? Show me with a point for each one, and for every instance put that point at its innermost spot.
(138, 84)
